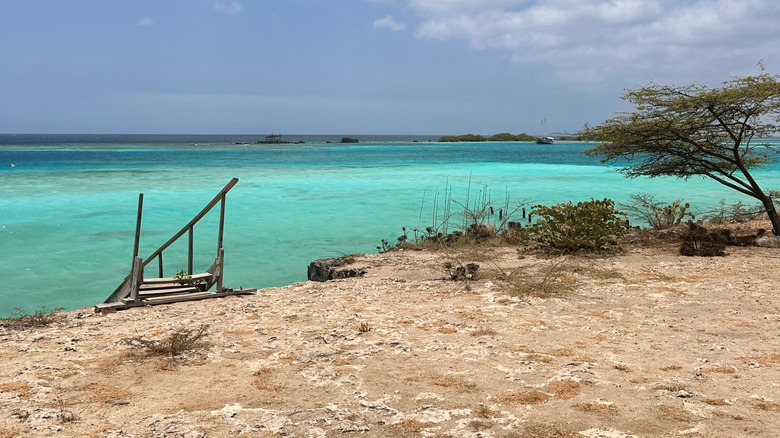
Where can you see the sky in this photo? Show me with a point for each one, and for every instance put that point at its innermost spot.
(361, 66)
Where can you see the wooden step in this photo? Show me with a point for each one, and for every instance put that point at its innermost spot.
(169, 291)
(179, 297)
(152, 287)
(193, 277)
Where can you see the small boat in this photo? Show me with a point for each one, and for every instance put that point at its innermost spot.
(545, 140)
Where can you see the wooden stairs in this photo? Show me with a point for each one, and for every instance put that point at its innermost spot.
(138, 290)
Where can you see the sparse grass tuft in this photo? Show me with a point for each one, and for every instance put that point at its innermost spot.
(484, 330)
(457, 383)
(565, 389)
(596, 408)
(21, 320)
(410, 425)
(767, 406)
(483, 411)
(525, 398)
(673, 412)
(22, 389)
(547, 431)
(180, 341)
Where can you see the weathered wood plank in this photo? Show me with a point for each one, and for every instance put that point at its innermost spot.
(154, 280)
(174, 290)
(172, 299)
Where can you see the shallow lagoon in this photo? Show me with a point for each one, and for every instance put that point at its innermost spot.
(69, 206)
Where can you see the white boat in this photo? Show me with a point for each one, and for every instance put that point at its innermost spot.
(545, 140)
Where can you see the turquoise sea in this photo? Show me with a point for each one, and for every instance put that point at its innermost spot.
(68, 203)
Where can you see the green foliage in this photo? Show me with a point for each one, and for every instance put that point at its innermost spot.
(464, 138)
(695, 130)
(506, 136)
(699, 241)
(180, 341)
(586, 226)
(349, 140)
(658, 215)
(20, 319)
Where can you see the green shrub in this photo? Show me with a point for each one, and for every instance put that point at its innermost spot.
(586, 226)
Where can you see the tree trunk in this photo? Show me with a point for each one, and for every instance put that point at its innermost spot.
(774, 219)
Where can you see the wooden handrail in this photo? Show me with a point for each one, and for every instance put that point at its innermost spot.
(220, 197)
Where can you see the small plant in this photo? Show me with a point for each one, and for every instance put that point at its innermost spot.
(586, 226)
(180, 341)
(658, 215)
(20, 319)
(461, 272)
(364, 327)
(64, 415)
(699, 241)
(183, 278)
(546, 281)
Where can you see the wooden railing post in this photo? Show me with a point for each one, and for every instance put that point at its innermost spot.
(138, 226)
(220, 268)
(136, 277)
(160, 265)
(221, 222)
(189, 259)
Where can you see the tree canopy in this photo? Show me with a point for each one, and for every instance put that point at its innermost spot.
(696, 130)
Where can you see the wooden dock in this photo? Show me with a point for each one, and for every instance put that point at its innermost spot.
(138, 290)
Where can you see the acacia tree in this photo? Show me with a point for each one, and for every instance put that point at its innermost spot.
(695, 130)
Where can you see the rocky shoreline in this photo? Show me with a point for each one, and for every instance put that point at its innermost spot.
(645, 343)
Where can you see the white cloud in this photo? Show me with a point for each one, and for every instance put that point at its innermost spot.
(231, 8)
(146, 22)
(600, 37)
(389, 23)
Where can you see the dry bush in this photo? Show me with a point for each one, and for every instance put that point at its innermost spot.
(671, 387)
(702, 242)
(21, 320)
(11, 433)
(602, 409)
(621, 367)
(479, 425)
(483, 330)
(457, 383)
(181, 340)
(410, 426)
(22, 389)
(719, 369)
(767, 406)
(262, 380)
(546, 280)
(673, 412)
(714, 401)
(565, 389)
(546, 431)
(671, 368)
(103, 393)
(483, 411)
(525, 398)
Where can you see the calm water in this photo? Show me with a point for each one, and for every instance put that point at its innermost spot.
(69, 203)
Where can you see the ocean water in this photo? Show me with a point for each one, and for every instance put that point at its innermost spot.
(68, 205)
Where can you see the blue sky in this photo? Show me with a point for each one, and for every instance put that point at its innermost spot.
(360, 66)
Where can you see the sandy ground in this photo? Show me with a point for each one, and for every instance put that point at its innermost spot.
(648, 344)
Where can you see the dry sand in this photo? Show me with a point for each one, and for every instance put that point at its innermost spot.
(649, 344)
